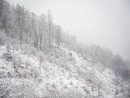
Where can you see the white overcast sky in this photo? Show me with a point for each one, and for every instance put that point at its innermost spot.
(104, 22)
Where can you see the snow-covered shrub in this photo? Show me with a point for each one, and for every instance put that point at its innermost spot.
(52, 93)
(72, 93)
(35, 73)
(22, 88)
(91, 78)
(2, 38)
(70, 58)
(17, 61)
(28, 65)
(60, 62)
(28, 49)
(86, 90)
(33, 51)
(3, 74)
(67, 67)
(57, 53)
(42, 58)
(80, 72)
(8, 56)
(4, 87)
(13, 45)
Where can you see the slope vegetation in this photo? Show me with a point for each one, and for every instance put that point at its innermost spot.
(57, 73)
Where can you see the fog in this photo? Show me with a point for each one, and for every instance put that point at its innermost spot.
(103, 22)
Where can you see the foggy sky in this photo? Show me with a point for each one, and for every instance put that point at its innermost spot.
(104, 22)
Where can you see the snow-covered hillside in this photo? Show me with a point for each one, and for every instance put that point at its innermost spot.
(60, 73)
(38, 59)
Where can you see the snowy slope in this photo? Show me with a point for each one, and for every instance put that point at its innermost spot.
(62, 74)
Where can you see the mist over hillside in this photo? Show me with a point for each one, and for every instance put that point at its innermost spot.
(39, 60)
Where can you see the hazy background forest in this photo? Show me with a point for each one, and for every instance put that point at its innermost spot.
(25, 35)
(105, 23)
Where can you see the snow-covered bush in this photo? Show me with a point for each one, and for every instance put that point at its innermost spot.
(2, 38)
(17, 88)
(71, 93)
(28, 49)
(4, 84)
(35, 73)
(60, 62)
(42, 58)
(57, 53)
(17, 61)
(13, 45)
(7, 56)
(70, 58)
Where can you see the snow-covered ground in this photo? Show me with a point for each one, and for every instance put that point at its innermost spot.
(59, 75)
